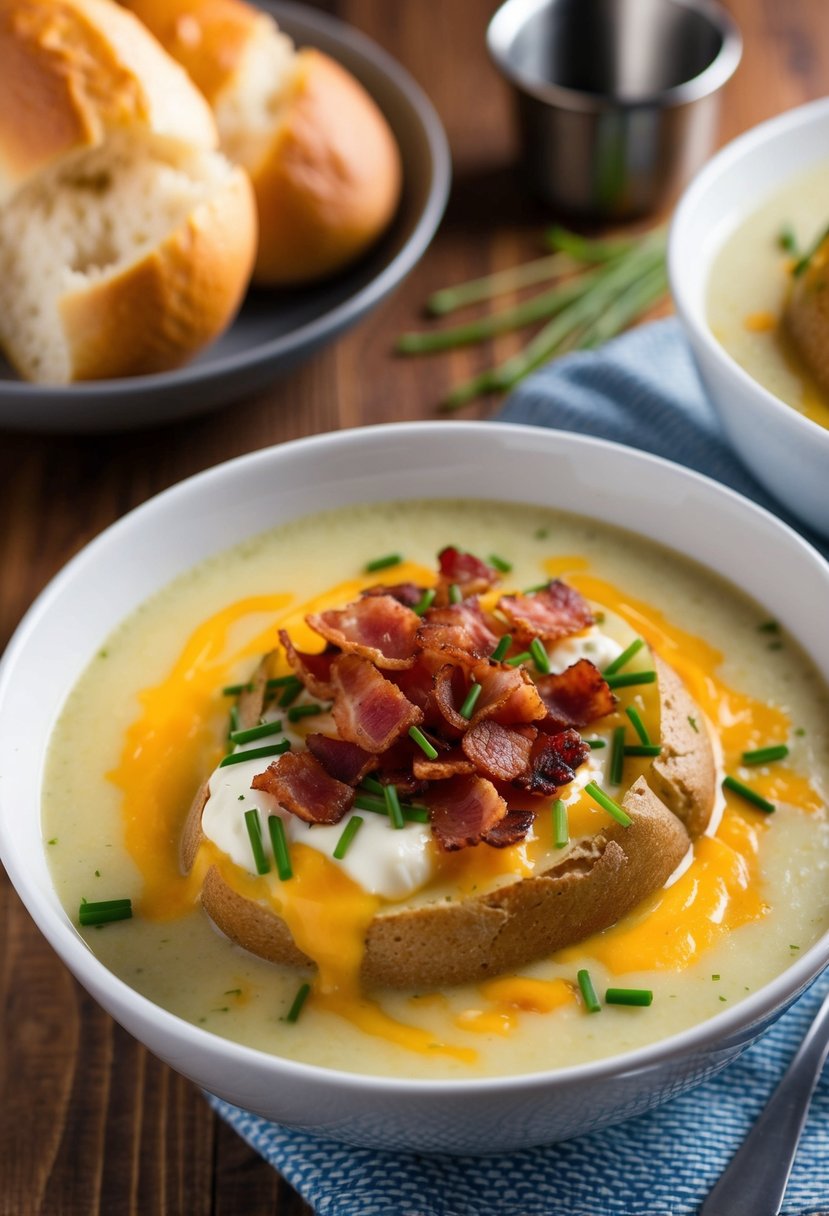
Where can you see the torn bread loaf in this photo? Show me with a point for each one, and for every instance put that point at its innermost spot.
(126, 238)
(324, 163)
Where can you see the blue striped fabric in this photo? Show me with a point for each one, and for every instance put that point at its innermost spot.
(641, 390)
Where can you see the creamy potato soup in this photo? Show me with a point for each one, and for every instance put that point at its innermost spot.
(748, 284)
(148, 722)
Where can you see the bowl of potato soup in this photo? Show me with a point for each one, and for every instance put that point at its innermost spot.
(450, 787)
(748, 262)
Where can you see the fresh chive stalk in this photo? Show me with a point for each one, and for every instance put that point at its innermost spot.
(290, 691)
(299, 1000)
(256, 732)
(561, 827)
(306, 711)
(628, 305)
(280, 682)
(499, 563)
(233, 724)
(104, 911)
(501, 649)
(606, 803)
(468, 706)
(617, 756)
(750, 795)
(622, 659)
(393, 806)
(540, 270)
(425, 602)
(372, 784)
(596, 744)
(235, 690)
(628, 996)
(518, 659)
(540, 656)
(423, 743)
(455, 594)
(279, 844)
(256, 753)
(582, 248)
(627, 679)
(766, 755)
(411, 812)
(638, 725)
(383, 563)
(254, 828)
(588, 992)
(349, 832)
(643, 749)
(787, 241)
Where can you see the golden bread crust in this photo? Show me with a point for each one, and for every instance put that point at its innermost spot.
(685, 775)
(806, 316)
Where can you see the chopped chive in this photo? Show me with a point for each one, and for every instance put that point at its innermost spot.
(368, 802)
(423, 743)
(500, 563)
(411, 812)
(425, 602)
(233, 723)
(643, 749)
(254, 828)
(588, 992)
(606, 803)
(617, 756)
(561, 828)
(280, 682)
(235, 690)
(299, 1000)
(349, 832)
(800, 732)
(626, 679)
(623, 658)
(455, 593)
(628, 996)
(501, 649)
(306, 711)
(638, 725)
(765, 755)
(279, 844)
(693, 724)
(769, 627)
(787, 241)
(537, 587)
(393, 805)
(256, 753)
(540, 656)
(104, 911)
(517, 659)
(291, 689)
(383, 563)
(471, 697)
(375, 786)
(255, 732)
(750, 795)
(596, 744)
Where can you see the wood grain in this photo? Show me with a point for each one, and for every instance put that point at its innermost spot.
(90, 1123)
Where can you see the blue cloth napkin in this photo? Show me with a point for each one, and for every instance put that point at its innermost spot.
(641, 390)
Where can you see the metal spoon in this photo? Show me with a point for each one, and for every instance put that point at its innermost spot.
(754, 1183)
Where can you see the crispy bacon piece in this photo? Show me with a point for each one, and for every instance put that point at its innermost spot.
(368, 709)
(396, 767)
(575, 697)
(508, 694)
(511, 830)
(448, 764)
(556, 611)
(463, 809)
(313, 669)
(407, 594)
(343, 760)
(553, 761)
(299, 783)
(465, 570)
(458, 631)
(450, 687)
(498, 752)
(377, 627)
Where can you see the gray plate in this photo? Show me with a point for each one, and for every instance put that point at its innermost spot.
(274, 329)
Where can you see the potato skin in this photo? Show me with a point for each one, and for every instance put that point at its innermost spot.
(598, 881)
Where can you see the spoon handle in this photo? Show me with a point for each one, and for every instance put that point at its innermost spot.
(754, 1183)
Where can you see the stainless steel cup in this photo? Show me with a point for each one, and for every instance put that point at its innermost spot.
(618, 100)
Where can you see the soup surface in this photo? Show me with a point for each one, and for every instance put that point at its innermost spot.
(748, 284)
(147, 723)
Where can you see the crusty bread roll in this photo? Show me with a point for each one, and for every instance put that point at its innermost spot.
(598, 881)
(126, 239)
(806, 316)
(323, 161)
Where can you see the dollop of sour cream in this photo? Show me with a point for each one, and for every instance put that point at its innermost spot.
(386, 861)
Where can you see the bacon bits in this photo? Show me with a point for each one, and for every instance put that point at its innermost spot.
(378, 627)
(510, 830)
(458, 631)
(407, 594)
(341, 759)
(313, 669)
(463, 809)
(466, 571)
(299, 783)
(507, 694)
(498, 752)
(575, 697)
(553, 761)
(368, 709)
(556, 611)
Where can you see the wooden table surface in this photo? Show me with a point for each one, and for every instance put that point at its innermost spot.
(89, 1121)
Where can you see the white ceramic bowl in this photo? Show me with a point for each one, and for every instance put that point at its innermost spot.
(786, 451)
(167, 535)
